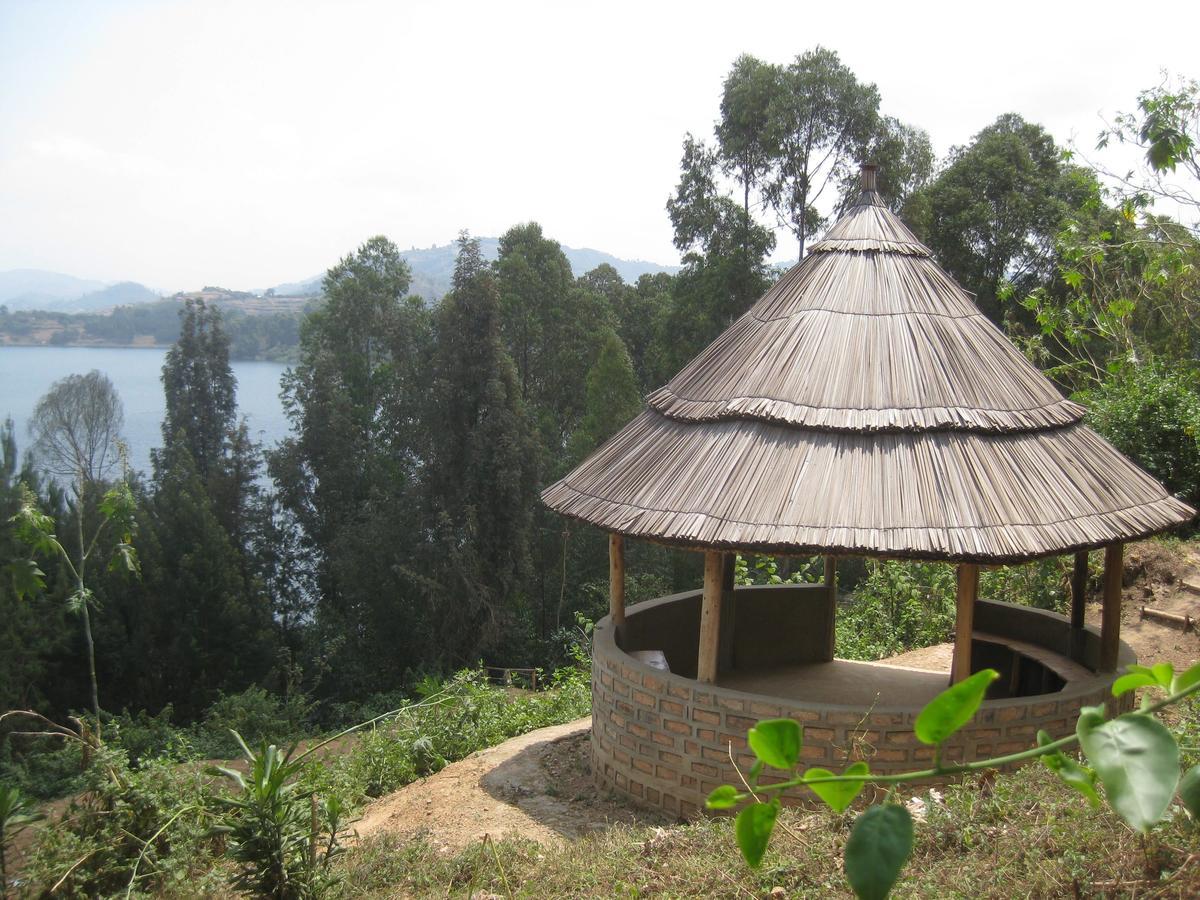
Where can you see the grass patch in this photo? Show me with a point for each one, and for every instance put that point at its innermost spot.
(150, 826)
(1018, 835)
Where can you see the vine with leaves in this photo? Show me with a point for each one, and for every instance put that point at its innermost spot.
(1132, 761)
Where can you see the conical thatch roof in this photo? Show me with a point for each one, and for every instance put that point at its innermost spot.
(866, 405)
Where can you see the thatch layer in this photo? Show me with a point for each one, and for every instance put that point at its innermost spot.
(946, 495)
(869, 225)
(866, 342)
(865, 405)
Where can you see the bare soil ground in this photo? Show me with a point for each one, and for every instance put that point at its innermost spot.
(537, 786)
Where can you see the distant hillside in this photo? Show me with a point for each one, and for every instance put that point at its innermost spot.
(27, 289)
(123, 293)
(33, 288)
(271, 302)
(433, 267)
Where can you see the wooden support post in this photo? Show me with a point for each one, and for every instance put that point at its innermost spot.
(725, 660)
(964, 620)
(710, 618)
(1110, 620)
(831, 600)
(1079, 580)
(616, 579)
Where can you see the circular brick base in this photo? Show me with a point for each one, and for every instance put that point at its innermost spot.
(664, 741)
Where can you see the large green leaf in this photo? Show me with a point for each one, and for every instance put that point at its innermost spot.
(724, 797)
(838, 794)
(1189, 791)
(1163, 673)
(753, 828)
(27, 579)
(1185, 680)
(953, 708)
(1131, 682)
(879, 845)
(776, 742)
(1136, 676)
(1136, 759)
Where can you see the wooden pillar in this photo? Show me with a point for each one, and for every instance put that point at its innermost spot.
(616, 579)
(964, 620)
(1079, 580)
(725, 659)
(710, 618)
(1110, 621)
(831, 601)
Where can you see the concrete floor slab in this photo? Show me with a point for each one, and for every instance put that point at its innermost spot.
(842, 681)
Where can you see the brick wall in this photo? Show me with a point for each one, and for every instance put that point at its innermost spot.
(664, 741)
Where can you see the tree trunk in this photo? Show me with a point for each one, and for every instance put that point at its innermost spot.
(84, 611)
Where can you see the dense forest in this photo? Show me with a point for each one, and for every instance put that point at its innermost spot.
(401, 535)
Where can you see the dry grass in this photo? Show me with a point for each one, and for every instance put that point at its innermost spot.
(1019, 836)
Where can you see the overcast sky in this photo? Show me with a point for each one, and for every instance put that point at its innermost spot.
(249, 143)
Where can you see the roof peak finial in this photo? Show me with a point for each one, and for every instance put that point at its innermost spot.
(868, 177)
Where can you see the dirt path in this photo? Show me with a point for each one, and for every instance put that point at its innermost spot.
(538, 786)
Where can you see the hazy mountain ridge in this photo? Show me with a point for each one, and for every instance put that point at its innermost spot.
(432, 268)
(38, 289)
(28, 288)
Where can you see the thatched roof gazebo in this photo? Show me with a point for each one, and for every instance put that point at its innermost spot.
(865, 406)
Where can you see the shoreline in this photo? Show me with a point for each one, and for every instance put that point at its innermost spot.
(42, 345)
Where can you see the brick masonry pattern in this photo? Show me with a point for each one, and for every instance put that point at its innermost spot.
(665, 742)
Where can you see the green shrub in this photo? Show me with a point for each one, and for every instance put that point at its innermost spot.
(766, 570)
(149, 828)
(899, 606)
(454, 718)
(1043, 583)
(281, 836)
(43, 770)
(17, 812)
(257, 715)
(1151, 413)
(145, 737)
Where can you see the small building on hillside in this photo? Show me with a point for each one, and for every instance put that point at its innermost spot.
(863, 406)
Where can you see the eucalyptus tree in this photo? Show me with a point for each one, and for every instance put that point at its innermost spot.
(905, 159)
(550, 325)
(821, 120)
(723, 253)
(481, 474)
(744, 131)
(200, 388)
(76, 428)
(351, 472)
(613, 398)
(994, 212)
(201, 420)
(201, 617)
(1166, 128)
(30, 637)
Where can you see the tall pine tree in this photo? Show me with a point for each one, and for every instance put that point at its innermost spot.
(350, 475)
(481, 478)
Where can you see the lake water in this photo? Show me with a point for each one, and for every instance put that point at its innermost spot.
(26, 373)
